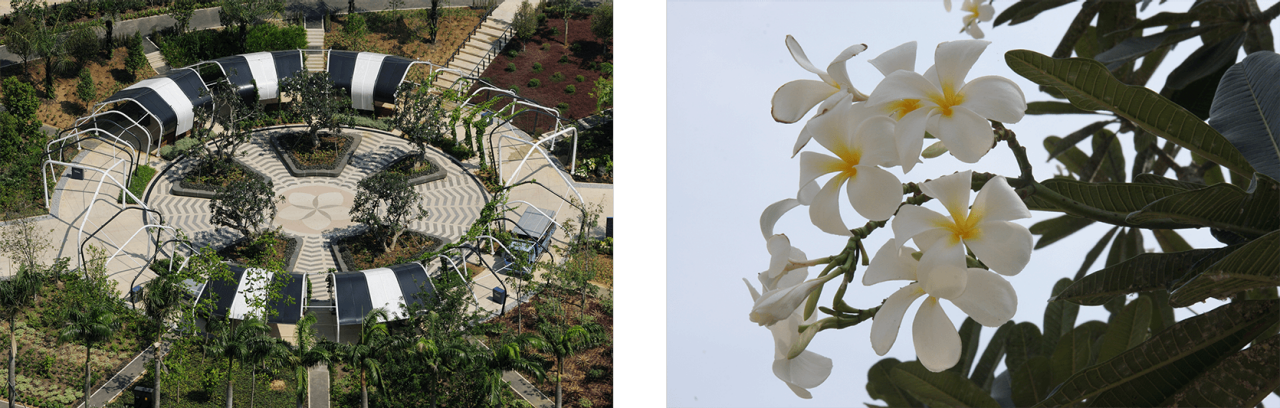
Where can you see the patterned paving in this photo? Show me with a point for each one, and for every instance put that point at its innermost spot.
(452, 204)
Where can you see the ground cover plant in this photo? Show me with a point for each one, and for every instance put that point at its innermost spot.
(595, 153)
(138, 183)
(404, 32)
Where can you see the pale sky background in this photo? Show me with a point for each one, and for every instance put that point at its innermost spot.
(727, 160)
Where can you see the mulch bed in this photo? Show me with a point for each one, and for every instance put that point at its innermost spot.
(244, 252)
(393, 33)
(312, 157)
(363, 251)
(411, 167)
(200, 178)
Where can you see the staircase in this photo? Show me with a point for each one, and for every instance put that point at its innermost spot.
(315, 41)
(154, 58)
(471, 58)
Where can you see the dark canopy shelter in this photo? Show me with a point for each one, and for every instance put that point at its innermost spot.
(233, 297)
(170, 98)
(356, 293)
(368, 77)
(261, 71)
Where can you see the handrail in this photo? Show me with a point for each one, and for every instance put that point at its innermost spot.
(495, 48)
(479, 24)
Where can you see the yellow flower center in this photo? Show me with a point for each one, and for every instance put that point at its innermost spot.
(947, 99)
(851, 159)
(973, 10)
(964, 227)
(898, 109)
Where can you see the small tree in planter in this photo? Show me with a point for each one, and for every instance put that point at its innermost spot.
(215, 150)
(387, 204)
(317, 101)
(244, 205)
(420, 114)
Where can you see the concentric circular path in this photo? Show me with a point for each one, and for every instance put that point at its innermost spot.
(315, 208)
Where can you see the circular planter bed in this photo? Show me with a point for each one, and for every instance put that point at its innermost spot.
(197, 185)
(242, 253)
(418, 168)
(363, 251)
(304, 160)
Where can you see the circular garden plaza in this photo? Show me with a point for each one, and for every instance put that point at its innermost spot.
(342, 218)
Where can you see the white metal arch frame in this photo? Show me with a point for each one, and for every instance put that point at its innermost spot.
(49, 162)
(129, 129)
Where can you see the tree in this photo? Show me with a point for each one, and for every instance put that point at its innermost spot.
(137, 57)
(603, 92)
(245, 205)
(83, 45)
(18, 38)
(506, 355)
(434, 18)
(221, 133)
(308, 352)
(602, 22)
(420, 114)
(387, 204)
(94, 323)
(271, 354)
(566, 9)
(86, 89)
(320, 103)
(525, 21)
(161, 298)
(181, 11)
(21, 147)
(564, 342)
(366, 355)
(243, 13)
(16, 293)
(236, 342)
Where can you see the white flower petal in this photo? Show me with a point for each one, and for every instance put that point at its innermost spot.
(999, 202)
(967, 135)
(985, 12)
(909, 132)
(755, 295)
(913, 220)
(808, 192)
(824, 212)
(874, 139)
(814, 165)
(884, 326)
(942, 270)
(794, 99)
(791, 278)
(779, 249)
(994, 97)
(837, 69)
(807, 370)
(952, 191)
(935, 337)
(901, 85)
(891, 262)
(972, 29)
(874, 193)
(929, 238)
(798, 54)
(902, 57)
(954, 59)
(779, 304)
(830, 129)
(947, 4)
(302, 200)
(773, 212)
(800, 392)
(989, 299)
(1003, 246)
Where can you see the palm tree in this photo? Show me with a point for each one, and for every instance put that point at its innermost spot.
(564, 342)
(236, 343)
(15, 293)
(160, 301)
(508, 355)
(375, 342)
(307, 353)
(272, 354)
(94, 324)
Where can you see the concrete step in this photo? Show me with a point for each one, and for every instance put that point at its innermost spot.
(468, 58)
(492, 32)
(478, 52)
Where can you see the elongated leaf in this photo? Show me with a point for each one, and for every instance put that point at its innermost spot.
(984, 372)
(1132, 48)
(1075, 137)
(1053, 108)
(881, 386)
(1248, 213)
(1161, 311)
(1092, 256)
(1090, 86)
(1024, 343)
(1115, 197)
(1054, 229)
(1111, 156)
(1170, 241)
(1148, 374)
(1127, 329)
(1205, 61)
(1074, 352)
(1193, 97)
(1166, 19)
(1255, 265)
(1165, 181)
(944, 389)
(970, 334)
(1026, 10)
(1073, 159)
(1031, 382)
(1155, 271)
(1241, 380)
(1059, 318)
(1246, 110)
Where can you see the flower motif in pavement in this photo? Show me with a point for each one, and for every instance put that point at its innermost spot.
(314, 209)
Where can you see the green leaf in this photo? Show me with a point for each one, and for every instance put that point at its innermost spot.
(881, 386)
(1109, 158)
(1255, 265)
(944, 389)
(1224, 206)
(1023, 343)
(1074, 352)
(1154, 271)
(1031, 383)
(1090, 86)
(1162, 312)
(1205, 61)
(970, 335)
(1127, 329)
(1241, 380)
(984, 372)
(1073, 159)
(1053, 108)
(1246, 109)
(1194, 97)
(1075, 137)
(1059, 318)
(1170, 241)
(1148, 374)
(1087, 45)
(1026, 10)
(1135, 47)
(1054, 229)
(1092, 256)
(1165, 181)
(1114, 197)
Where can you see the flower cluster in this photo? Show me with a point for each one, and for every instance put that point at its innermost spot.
(975, 11)
(865, 135)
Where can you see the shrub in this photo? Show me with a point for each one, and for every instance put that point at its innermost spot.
(534, 82)
(563, 107)
(511, 67)
(555, 31)
(82, 44)
(569, 89)
(137, 56)
(557, 77)
(546, 46)
(359, 120)
(606, 68)
(591, 66)
(537, 67)
(86, 89)
(269, 37)
(513, 53)
(564, 59)
(514, 88)
(584, 402)
(579, 78)
(575, 47)
(168, 152)
(525, 23)
(542, 18)
(185, 144)
(355, 26)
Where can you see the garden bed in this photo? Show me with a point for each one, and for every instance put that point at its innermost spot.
(404, 33)
(302, 159)
(417, 168)
(362, 251)
(197, 182)
(195, 380)
(243, 252)
(595, 154)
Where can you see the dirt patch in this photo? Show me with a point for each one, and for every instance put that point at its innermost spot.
(278, 249)
(308, 156)
(109, 75)
(364, 251)
(278, 385)
(404, 33)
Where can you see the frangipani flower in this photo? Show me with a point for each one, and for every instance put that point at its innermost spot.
(807, 370)
(976, 11)
(986, 297)
(795, 98)
(778, 304)
(985, 229)
(788, 265)
(774, 211)
(953, 111)
(860, 149)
